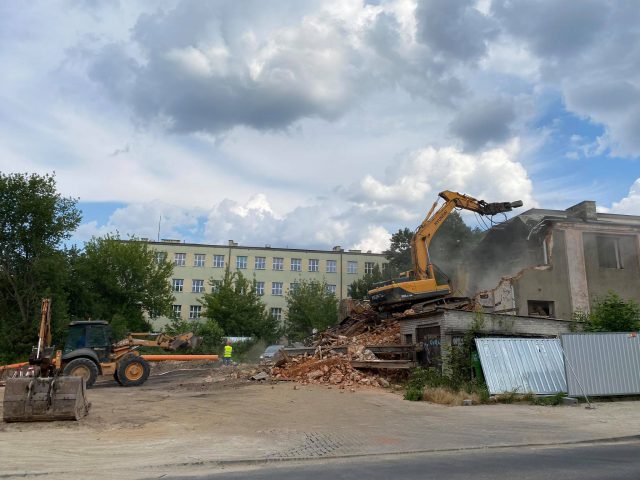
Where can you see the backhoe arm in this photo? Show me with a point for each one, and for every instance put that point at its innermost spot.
(164, 341)
(422, 267)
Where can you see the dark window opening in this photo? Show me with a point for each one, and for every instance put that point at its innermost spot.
(609, 252)
(408, 339)
(540, 308)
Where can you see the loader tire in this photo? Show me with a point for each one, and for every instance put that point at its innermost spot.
(82, 367)
(133, 371)
(115, 377)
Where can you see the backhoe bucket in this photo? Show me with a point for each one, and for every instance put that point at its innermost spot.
(29, 399)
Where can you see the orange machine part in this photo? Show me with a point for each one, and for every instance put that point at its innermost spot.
(161, 358)
(13, 365)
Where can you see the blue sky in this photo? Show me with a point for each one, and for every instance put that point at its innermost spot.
(318, 123)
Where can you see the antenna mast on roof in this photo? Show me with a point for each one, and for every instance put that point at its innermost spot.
(159, 222)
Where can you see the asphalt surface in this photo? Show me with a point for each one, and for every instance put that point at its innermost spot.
(608, 461)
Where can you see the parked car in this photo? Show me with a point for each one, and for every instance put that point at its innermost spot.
(271, 350)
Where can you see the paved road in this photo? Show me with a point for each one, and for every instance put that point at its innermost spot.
(576, 462)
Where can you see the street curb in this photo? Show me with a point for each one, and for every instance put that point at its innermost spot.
(263, 461)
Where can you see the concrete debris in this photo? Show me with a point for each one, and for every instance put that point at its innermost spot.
(328, 360)
(262, 376)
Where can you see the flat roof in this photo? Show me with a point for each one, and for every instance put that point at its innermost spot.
(240, 247)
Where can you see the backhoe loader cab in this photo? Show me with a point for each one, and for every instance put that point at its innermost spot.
(95, 335)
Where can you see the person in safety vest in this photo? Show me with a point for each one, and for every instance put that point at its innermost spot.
(228, 350)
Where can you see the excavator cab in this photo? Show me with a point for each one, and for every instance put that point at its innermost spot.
(95, 335)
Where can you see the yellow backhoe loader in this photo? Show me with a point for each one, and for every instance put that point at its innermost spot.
(419, 285)
(52, 385)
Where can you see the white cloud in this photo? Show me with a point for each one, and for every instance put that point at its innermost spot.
(358, 216)
(629, 205)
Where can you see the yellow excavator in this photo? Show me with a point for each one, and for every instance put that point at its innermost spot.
(419, 285)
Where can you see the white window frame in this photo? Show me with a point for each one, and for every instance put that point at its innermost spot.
(215, 286)
(331, 288)
(276, 288)
(296, 264)
(241, 262)
(199, 259)
(176, 310)
(195, 311)
(218, 261)
(368, 267)
(260, 288)
(177, 284)
(261, 263)
(278, 263)
(314, 265)
(276, 313)
(197, 286)
(332, 266)
(350, 264)
(179, 259)
(161, 257)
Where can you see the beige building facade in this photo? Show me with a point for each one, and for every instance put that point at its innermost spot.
(197, 268)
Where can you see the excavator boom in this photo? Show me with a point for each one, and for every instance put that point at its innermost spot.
(420, 284)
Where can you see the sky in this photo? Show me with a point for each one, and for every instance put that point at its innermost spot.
(311, 124)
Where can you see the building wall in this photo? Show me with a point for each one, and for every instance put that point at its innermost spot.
(625, 280)
(454, 324)
(341, 278)
(546, 283)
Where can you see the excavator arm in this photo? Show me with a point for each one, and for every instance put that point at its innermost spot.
(422, 267)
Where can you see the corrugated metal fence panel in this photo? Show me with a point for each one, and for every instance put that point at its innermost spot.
(522, 365)
(604, 363)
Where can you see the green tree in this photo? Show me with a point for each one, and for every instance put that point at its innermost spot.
(399, 253)
(361, 286)
(238, 309)
(121, 280)
(35, 220)
(211, 333)
(310, 306)
(612, 314)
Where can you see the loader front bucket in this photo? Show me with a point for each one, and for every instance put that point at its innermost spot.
(28, 399)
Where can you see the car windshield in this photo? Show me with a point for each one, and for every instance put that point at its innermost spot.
(273, 348)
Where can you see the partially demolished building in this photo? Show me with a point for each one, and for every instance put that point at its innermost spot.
(551, 263)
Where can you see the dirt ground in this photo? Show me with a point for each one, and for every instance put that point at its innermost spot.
(183, 421)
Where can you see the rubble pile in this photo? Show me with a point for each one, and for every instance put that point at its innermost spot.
(330, 367)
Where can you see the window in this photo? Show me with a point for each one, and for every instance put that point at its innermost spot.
(161, 257)
(179, 259)
(540, 308)
(276, 288)
(198, 260)
(194, 311)
(296, 264)
(177, 284)
(294, 286)
(331, 288)
(276, 313)
(368, 267)
(197, 286)
(241, 262)
(278, 263)
(177, 310)
(385, 267)
(218, 261)
(260, 288)
(609, 252)
(261, 263)
(215, 286)
(331, 266)
(348, 291)
(314, 265)
(352, 267)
